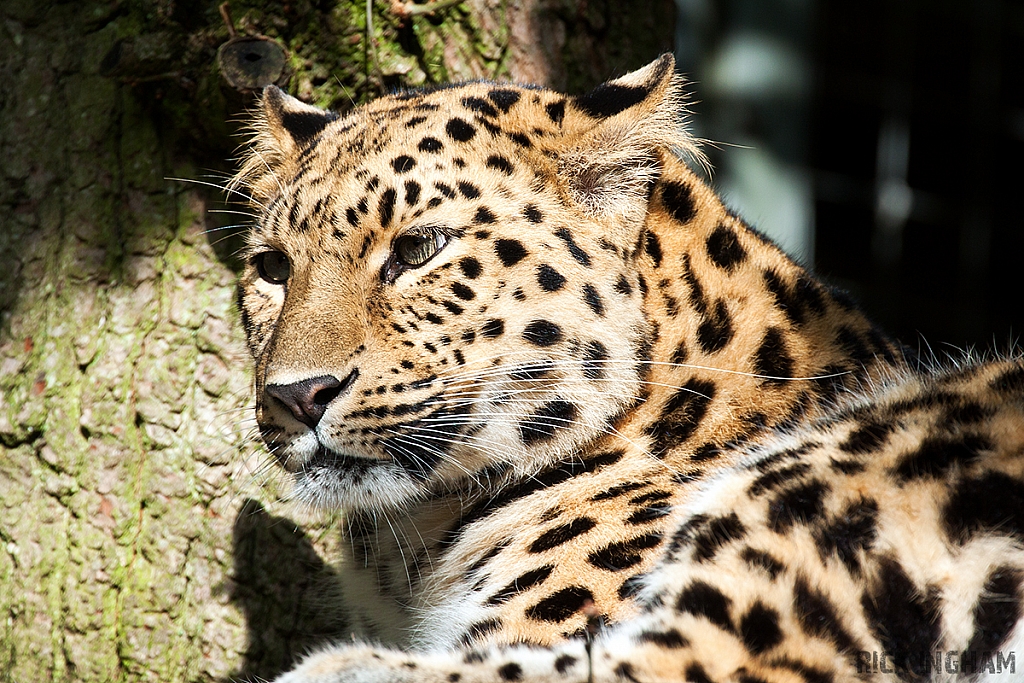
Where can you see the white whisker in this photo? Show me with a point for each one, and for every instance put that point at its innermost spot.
(230, 190)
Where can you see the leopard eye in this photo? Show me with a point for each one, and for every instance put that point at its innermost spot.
(416, 249)
(273, 266)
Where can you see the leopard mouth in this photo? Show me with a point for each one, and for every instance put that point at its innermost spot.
(337, 481)
(326, 459)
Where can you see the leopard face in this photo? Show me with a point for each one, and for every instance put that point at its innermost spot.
(441, 286)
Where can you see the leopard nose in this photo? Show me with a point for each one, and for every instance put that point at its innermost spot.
(308, 400)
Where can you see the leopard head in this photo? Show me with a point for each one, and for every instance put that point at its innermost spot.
(440, 288)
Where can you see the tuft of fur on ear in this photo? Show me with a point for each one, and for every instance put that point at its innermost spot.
(281, 128)
(615, 136)
(611, 176)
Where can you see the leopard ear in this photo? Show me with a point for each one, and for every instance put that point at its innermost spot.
(291, 122)
(613, 139)
(282, 127)
(643, 89)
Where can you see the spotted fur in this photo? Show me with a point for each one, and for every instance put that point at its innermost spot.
(558, 389)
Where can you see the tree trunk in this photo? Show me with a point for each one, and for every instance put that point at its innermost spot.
(142, 532)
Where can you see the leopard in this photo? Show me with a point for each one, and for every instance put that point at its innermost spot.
(581, 422)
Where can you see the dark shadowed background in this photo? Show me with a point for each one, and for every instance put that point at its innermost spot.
(883, 141)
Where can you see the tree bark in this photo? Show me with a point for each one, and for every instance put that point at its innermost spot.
(143, 535)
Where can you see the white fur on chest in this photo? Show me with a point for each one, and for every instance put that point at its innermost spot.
(400, 590)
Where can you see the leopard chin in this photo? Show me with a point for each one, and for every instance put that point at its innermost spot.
(334, 482)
